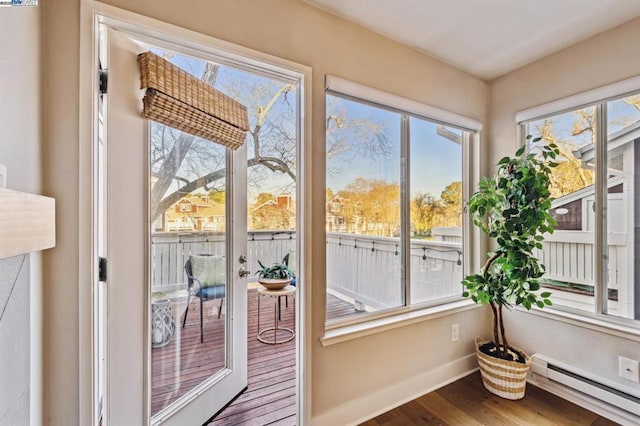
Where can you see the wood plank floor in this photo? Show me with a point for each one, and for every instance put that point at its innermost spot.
(185, 362)
(466, 402)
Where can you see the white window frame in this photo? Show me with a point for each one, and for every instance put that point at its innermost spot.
(342, 329)
(597, 98)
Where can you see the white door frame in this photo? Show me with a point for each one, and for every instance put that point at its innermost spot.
(91, 14)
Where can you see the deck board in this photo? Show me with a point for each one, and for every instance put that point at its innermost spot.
(184, 363)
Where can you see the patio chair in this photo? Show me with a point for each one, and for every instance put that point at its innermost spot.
(206, 280)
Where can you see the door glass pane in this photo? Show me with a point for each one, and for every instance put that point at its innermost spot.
(569, 253)
(623, 216)
(362, 208)
(189, 279)
(435, 211)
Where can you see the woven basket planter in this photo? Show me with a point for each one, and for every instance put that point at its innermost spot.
(501, 377)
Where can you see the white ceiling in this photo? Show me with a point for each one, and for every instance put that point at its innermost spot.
(487, 38)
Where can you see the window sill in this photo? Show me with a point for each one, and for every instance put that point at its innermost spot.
(612, 327)
(374, 326)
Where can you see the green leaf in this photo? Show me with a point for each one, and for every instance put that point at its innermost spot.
(520, 151)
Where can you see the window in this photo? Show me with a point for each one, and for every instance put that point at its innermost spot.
(435, 182)
(590, 260)
(394, 207)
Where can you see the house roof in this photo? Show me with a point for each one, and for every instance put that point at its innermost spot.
(616, 140)
(585, 192)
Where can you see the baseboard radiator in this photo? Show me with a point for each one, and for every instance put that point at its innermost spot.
(609, 392)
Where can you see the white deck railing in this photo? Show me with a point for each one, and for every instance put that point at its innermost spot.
(569, 256)
(170, 251)
(366, 269)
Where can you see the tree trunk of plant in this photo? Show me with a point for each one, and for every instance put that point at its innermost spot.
(503, 337)
(496, 335)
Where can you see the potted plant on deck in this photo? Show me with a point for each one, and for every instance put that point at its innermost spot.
(511, 207)
(275, 277)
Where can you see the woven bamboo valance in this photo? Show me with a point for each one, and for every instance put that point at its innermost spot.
(177, 99)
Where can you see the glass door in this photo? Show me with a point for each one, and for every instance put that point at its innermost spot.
(176, 338)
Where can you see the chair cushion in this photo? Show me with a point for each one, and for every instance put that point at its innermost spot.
(210, 270)
(213, 292)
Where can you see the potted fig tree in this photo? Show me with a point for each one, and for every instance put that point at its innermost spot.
(513, 208)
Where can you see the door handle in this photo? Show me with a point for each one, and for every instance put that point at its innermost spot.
(243, 272)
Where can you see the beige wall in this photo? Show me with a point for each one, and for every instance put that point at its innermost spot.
(298, 32)
(20, 151)
(20, 95)
(603, 59)
(60, 44)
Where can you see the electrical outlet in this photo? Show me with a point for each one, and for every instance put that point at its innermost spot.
(455, 332)
(629, 369)
(3, 176)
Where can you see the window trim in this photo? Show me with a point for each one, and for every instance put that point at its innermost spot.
(340, 86)
(600, 94)
(354, 330)
(598, 99)
(407, 109)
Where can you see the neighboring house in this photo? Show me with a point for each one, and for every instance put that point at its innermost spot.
(568, 253)
(342, 215)
(193, 213)
(335, 220)
(274, 214)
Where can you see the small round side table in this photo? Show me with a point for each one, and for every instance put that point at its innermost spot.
(275, 294)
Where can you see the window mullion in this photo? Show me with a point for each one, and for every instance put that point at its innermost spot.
(468, 169)
(405, 237)
(601, 256)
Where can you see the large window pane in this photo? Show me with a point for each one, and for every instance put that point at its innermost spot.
(188, 217)
(569, 253)
(435, 211)
(362, 208)
(179, 362)
(623, 222)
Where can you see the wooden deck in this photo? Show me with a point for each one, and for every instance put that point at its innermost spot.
(185, 362)
(270, 396)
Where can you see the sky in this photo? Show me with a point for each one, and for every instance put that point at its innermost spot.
(251, 90)
(619, 115)
(435, 160)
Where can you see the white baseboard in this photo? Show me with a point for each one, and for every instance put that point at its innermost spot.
(372, 404)
(585, 401)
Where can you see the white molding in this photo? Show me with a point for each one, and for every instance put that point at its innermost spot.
(345, 333)
(382, 400)
(585, 401)
(360, 91)
(582, 99)
(594, 323)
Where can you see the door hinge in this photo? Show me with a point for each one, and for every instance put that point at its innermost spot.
(103, 79)
(102, 269)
